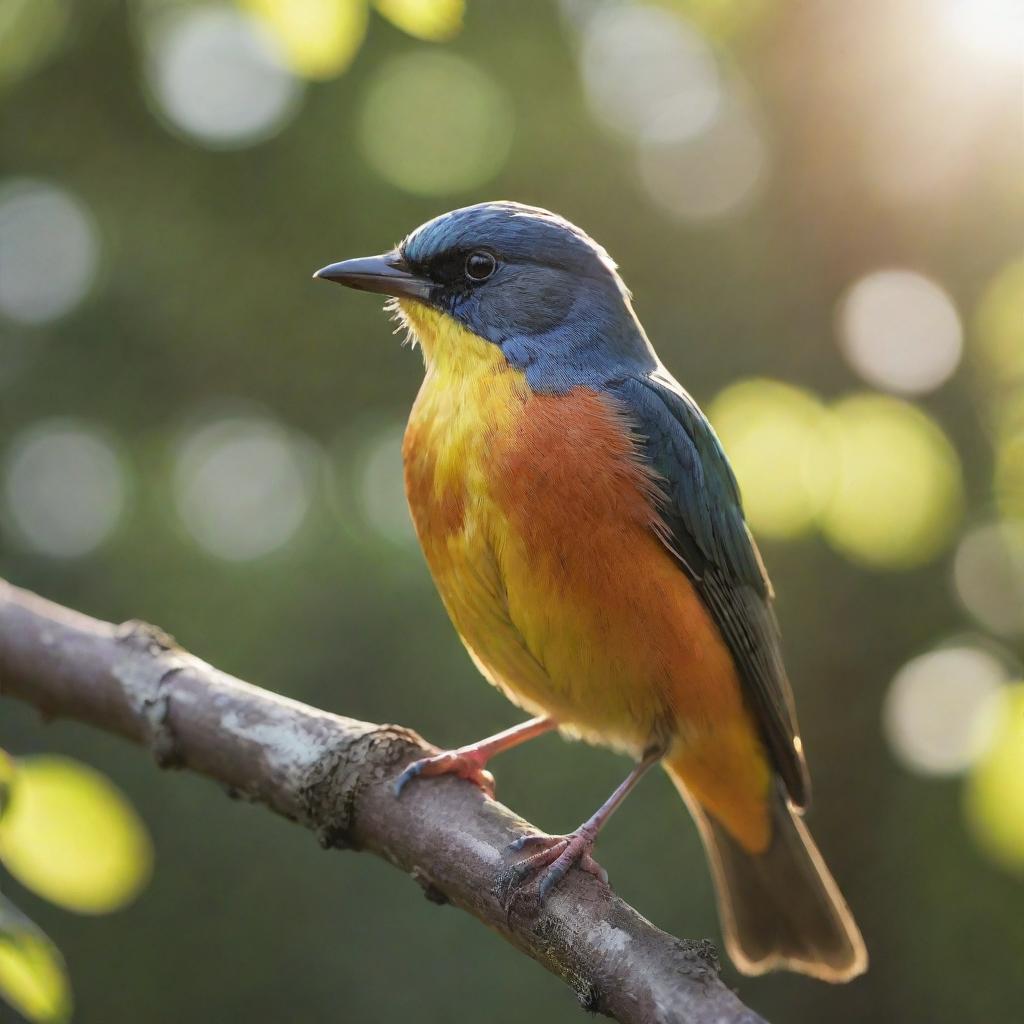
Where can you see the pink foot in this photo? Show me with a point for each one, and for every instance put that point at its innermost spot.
(466, 765)
(557, 855)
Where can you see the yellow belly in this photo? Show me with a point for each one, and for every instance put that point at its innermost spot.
(454, 421)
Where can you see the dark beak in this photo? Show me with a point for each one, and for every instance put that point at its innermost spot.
(387, 274)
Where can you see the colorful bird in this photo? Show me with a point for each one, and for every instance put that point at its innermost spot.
(585, 532)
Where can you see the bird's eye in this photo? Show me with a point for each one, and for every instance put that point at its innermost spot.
(480, 266)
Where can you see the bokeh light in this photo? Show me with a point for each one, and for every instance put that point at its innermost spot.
(433, 124)
(49, 251)
(937, 713)
(434, 20)
(988, 573)
(382, 487)
(72, 837)
(998, 325)
(218, 76)
(1008, 482)
(678, 94)
(714, 174)
(919, 145)
(779, 444)
(899, 491)
(900, 331)
(994, 29)
(64, 488)
(318, 38)
(31, 31)
(995, 791)
(33, 978)
(242, 486)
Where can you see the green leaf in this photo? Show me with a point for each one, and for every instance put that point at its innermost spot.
(33, 978)
(72, 837)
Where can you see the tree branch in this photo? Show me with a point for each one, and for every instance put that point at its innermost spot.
(334, 775)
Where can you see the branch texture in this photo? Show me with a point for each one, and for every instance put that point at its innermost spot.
(334, 775)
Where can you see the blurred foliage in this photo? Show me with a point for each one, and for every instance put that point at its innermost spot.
(6, 781)
(33, 978)
(71, 837)
(900, 495)
(435, 20)
(194, 433)
(999, 326)
(67, 835)
(998, 781)
(321, 37)
(757, 419)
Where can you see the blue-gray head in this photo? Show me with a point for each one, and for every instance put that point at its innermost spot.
(521, 278)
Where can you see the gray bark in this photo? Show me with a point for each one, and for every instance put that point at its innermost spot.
(334, 775)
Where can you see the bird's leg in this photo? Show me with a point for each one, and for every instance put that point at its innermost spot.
(469, 762)
(559, 853)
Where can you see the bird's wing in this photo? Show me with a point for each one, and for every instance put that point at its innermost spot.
(710, 538)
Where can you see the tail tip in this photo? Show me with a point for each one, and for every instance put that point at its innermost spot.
(835, 969)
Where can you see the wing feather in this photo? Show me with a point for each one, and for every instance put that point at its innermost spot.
(709, 536)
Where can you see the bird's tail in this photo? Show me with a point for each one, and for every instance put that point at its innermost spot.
(779, 908)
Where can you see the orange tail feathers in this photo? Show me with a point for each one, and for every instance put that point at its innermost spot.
(779, 908)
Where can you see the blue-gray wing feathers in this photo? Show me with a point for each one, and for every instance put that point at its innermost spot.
(703, 512)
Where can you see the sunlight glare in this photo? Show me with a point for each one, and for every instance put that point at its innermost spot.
(989, 28)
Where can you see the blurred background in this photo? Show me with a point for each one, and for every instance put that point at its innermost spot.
(819, 206)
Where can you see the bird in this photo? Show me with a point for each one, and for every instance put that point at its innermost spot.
(586, 535)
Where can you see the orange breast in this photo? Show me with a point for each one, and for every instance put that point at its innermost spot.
(607, 608)
(541, 529)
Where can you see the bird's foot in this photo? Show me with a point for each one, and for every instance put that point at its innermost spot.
(466, 764)
(556, 856)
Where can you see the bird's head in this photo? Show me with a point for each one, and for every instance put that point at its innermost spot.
(514, 277)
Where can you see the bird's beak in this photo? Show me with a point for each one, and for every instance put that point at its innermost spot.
(387, 274)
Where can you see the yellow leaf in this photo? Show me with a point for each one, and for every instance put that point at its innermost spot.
(69, 835)
(319, 38)
(32, 975)
(433, 20)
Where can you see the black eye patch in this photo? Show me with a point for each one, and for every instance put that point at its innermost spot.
(447, 268)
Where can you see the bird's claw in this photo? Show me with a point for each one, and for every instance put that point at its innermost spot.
(451, 762)
(556, 856)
